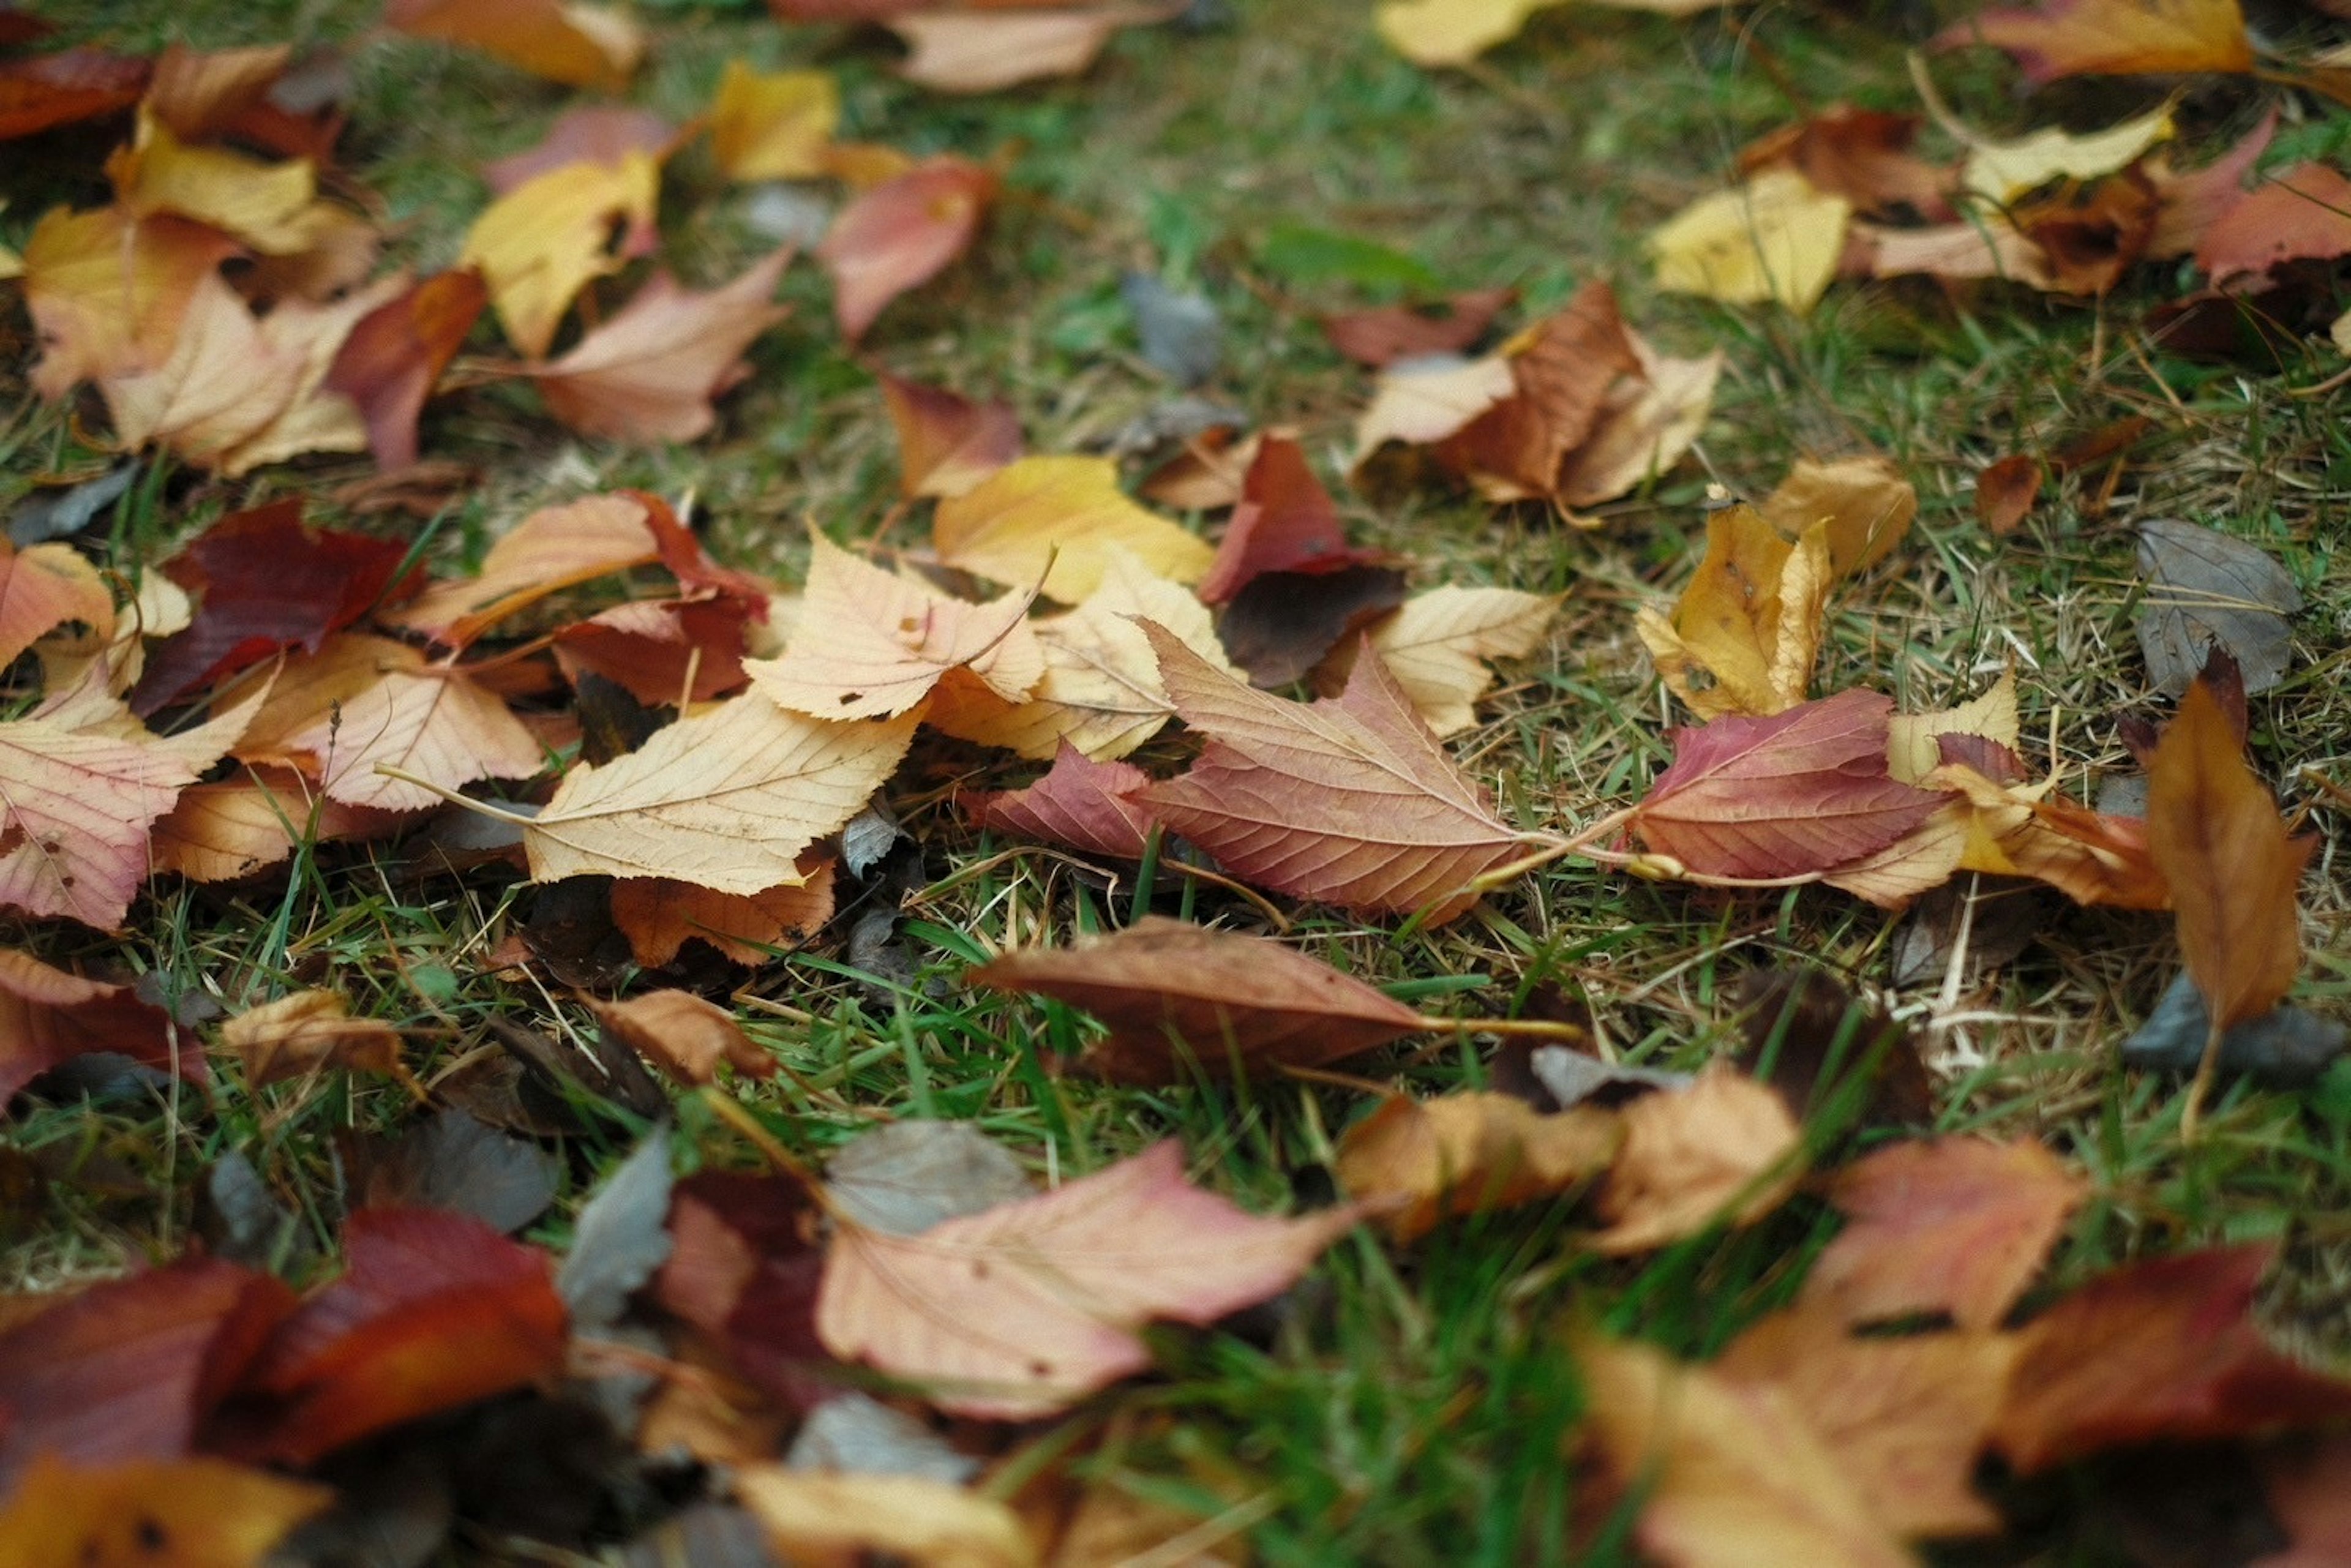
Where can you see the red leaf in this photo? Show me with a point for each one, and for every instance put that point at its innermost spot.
(1080, 804)
(393, 358)
(1383, 334)
(743, 1268)
(1796, 794)
(57, 89)
(649, 647)
(437, 1309)
(946, 443)
(1285, 521)
(2303, 214)
(902, 233)
(48, 1016)
(267, 582)
(131, 1368)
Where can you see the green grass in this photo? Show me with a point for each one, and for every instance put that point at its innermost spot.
(1405, 1406)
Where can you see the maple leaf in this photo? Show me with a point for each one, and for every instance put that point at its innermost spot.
(2112, 37)
(902, 234)
(579, 44)
(1349, 801)
(946, 443)
(1420, 1161)
(1283, 521)
(106, 291)
(1947, 1225)
(1055, 520)
(1798, 794)
(871, 645)
(773, 126)
(1021, 1310)
(984, 51)
(1079, 804)
(1776, 237)
(650, 373)
(1182, 998)
(538, 245)
(49, 1017)
(1723, 1151)
(388, 364)
(196, 1512)
(71, 84)
(553, 549)
(2215, 833)
(307, 1031)
(657, 915)
(1436, 644)
(726, 800)
(684, 1035)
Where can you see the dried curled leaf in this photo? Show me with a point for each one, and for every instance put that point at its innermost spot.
(1749, 621)
(306, 1032)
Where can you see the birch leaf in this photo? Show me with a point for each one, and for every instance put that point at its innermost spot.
(1437, 643)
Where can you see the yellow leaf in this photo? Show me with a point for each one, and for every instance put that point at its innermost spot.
(2000, 171)
(871, 645)
(272, 208)
(1451, 32)
(1437, 643)
(724, 799)
(538, 245)
(583, 45)
(151, 1513)
(1751, 619)
(1774, 238)
(1866, 503)
(1068, 511)
(108, 292)
(1100, 690)
(827, 1520)
(773, 127)
(1912, 752)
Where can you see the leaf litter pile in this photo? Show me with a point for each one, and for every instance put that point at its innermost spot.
(536, 1031)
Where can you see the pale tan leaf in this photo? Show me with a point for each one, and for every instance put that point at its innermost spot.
(1436, 646)
(981, 51)
(1419, 1160)
(307, 1032)
(825, 1519)
(1914, 752)
(549, 550)
(1055, 519)
(433, 721)
(1723, 1151)
(1419, 402)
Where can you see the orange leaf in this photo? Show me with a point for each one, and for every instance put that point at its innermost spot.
(308, 1031)
(946, 443)
(395, 353)
(650, 647)
(43, 588)
(2215, 835)
(2113, 38)
(902, 233)
(1723, 1151)
(1350, 802)
(231, 828)
(657, 915)
(2005, 490)
(153, 1513)
(1181, 999)
(1423, 1160)
(48, 1016)
(553, 549)
(684, 1035)
(579, 45)
(60, 88)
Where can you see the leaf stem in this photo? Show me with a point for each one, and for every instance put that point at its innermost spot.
(479, 808)
(1532, 1029)
(2191, 1116)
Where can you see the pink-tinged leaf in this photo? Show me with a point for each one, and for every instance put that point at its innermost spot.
(2112, 37)
(649, 374)
(267, 582)
(1024, 1309)
(49, 1017)
(390, 362)
(946, 443)
(592, 133)
(2302, 214)
(902, 234)
(1285, 521)
(2188, 205)
(1383, 334)
(1080, 804)
(131, 1368)
(1350, 802)
(76, 807)
(1796, 794)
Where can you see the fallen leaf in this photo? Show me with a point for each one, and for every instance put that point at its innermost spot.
(1914, 748)
(108, 292)
(1802, 792)
(650, 373)
(43, 587)
(395, 353)
(1727, 1472)
(1079, 804)
(2233, 870)
(435, 1311)
(456, 1163)
(2002, 172)
(1866, 502)
(538, 245)
(1775, 238)
(553, 549)
(77, 807)
(1451, 32)
(49, 1017)
(684, 1035)
(902, 234)
(1419, 1162)
(364, 702)
(985, 50)
(1750, 620)
(1288, 625)
(902, 1178)
(1437, 642)
(2205, 590)
(1022, 1310)
(2005, 491)
(267, 582)
(2112, 37)
(1284, 521)
(946, 443)
(827, 1520)
(659, 651)
(1827, 1051)
(307, 1032)
(870, 643)
(153, 1513)
(46, 90)
(578, 44)
(1723, 1151)
(1183, 999)
(2161, 1349)
(658, 915)
(2191, 203)
(1562, 370)
(269, 208)
(1349, 801)
(1983, 246)
(773, 126)
(1380, 335)
(1861, 154)
(726, 800)
(1647, 421)
(1953, 1224)
(1423, 401)
(1055, 520)
(589, 133)
(621, 1238)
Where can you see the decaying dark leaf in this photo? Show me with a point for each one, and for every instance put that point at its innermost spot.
(2205, 589)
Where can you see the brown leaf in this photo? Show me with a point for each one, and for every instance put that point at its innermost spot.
(2005, 490)
(1349, 801)
(1383, 334)
(2112, 37)
(684, 1035)
(650, 373)
(307, 1032)
(1647, 422)
(578, 44)
(901, 235)
(2163, 1349)
(1080, 804)
(1749, 621)
(1287, 626)
(1022, 1310)
(986, 49)
(1948, 1225)
(657, 915)
(1420, 1161)
(49, 1017)
(153, 1513)
(2215, 835)
(1803, 792)
(660, 650)
(946, 443)
(396, 352)
(1183, 999)
(1723, 1151)
(1862, 155)
(1284, 521)
(1561, 369)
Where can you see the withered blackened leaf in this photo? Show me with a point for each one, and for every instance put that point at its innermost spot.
(455, 1162)
(1281, 623)
(241, 1221)
(2204, 588)
(2284, 1048)
(612, 723)
(1810, 1037)
(1999, 916)
(1183, 336)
